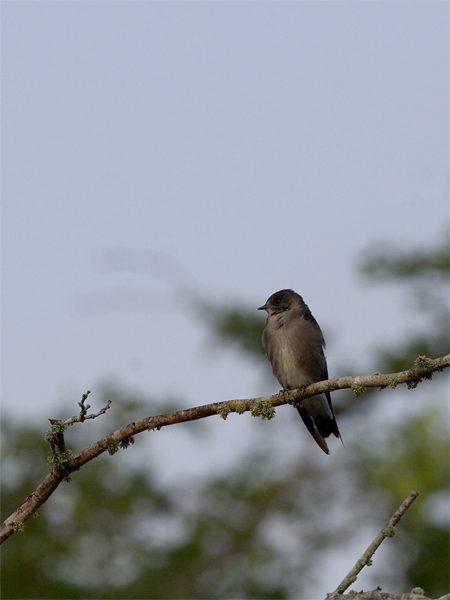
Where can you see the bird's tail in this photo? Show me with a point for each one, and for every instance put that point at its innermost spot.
(310, 425)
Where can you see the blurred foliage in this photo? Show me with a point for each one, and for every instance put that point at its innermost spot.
(263, 528)
(414, 457)
(424, 275)
(388, 262)
(242, 328)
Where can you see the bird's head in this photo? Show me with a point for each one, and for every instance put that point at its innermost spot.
(282, 301)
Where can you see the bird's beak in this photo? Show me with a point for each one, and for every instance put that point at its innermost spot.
(262, 307)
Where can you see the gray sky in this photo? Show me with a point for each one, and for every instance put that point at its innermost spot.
(258, 145)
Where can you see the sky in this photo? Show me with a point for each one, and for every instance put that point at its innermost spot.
(231, 148)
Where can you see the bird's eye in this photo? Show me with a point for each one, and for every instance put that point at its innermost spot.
(277, 300)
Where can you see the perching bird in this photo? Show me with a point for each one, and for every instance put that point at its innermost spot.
(294, 345)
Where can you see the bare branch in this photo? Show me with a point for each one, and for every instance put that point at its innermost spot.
(366, 558)
(83, 416)
(262, 407)
(415, 594)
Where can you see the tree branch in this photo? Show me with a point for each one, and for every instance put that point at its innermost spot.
(262, 407)
(82, 415)
(415, 594)
(366, 558)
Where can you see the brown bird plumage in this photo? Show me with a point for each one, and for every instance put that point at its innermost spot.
(294, 345)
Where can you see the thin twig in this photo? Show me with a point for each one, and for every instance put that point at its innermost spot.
(82, 415)
(366, 558)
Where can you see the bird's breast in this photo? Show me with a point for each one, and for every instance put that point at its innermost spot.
(286, 357)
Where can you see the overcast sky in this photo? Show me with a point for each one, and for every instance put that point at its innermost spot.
(237, 147)
(254, 146)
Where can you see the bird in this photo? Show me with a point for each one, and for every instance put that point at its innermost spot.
(294, 345)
